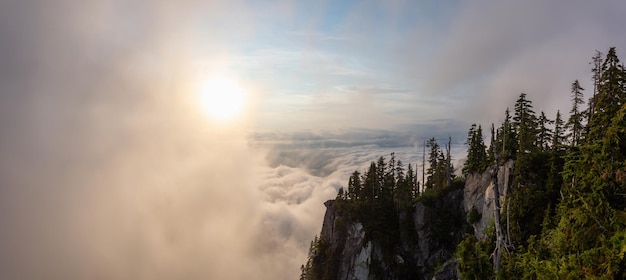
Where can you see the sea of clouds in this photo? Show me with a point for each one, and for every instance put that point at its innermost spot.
(305, 168)
(109, 171)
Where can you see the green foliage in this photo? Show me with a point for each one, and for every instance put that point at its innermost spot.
(610, 96)
(355, 186)
(565, 209)
(437, 172)
(526, 125)
(529, 196)
(544, 137)
(584, 238)
(428, 197)
(577, 115)
(434, 174)
(559, 137)
(505, 140)
(567, 215)
(316, 266)
(477, 159)
(473, 215)
(474, 257)
(384, 205)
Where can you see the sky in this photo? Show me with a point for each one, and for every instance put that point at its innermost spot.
(110, 168)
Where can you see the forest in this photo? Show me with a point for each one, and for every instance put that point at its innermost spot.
(565, 214)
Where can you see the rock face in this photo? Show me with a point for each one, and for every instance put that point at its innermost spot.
(425, 239)
(357, 267)
(328, 227)
(431, 241)
(448, 271)
(354, 252)
(478, 193)
(439, 229)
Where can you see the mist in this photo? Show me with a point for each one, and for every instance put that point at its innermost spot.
(110, 170)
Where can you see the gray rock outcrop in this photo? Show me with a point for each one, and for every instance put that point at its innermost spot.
(436, 228)
(478, 193)
(420, 244)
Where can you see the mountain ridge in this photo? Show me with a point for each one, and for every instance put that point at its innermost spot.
(428, 245)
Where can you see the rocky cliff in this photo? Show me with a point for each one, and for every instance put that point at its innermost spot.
(429, 232)
(418, 242)
(478, 193)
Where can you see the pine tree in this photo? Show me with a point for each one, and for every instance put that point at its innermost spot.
(559, 138)
(525, 123)
(558, 143)
(433, 163)
(476, 154)
(399, 171)
(528, 195)
(589, 238)
(354, 186)
(390, 177)
(404, 193)
(411, 179)
(470, 162)
(597, 62)
(545, 133)
(610, 97)
(575, 121)
(481, 149)
(506, 138)
(370, 183)
(380, 173)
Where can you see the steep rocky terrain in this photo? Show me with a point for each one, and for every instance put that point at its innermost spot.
(478, 193)
(423, 247)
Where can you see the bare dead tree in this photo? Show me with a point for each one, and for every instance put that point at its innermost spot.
(449, 167)
(424, 167)
(497, 253)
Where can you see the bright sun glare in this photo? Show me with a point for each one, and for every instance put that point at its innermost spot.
(222, 98)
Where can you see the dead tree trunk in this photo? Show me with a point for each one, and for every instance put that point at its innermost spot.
(497, 253)
(424, 167)
(449, 164)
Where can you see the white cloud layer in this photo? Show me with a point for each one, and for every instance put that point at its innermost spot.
(109, 170)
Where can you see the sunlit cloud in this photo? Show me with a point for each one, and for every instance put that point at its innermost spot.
(111, 169)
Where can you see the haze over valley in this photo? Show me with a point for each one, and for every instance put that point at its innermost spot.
(200, 139)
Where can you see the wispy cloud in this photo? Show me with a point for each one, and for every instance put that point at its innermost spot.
(494, 51)
(108, 170)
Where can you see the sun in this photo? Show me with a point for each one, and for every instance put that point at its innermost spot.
(222, 98)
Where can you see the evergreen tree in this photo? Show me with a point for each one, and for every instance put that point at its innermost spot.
(525, 123)
(567, 204)
(529, 195)
(370, 184)
(404, 193)
(554, 181)
(390, 177)
(476, 153)
(400, 176)
(470, 162)
(597, 62)
(559, 138)
(506, 138)
(545, 133)
(354, 186)
(411, 179)
(575, 121)
(588, 239)
(433, 163)
(610, 97)
(380, 173)
(436, 174)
